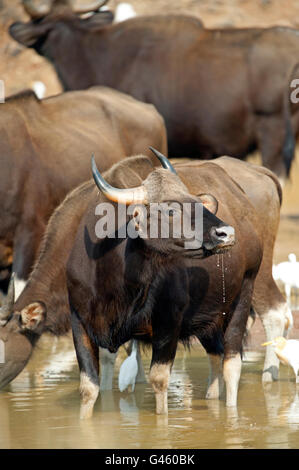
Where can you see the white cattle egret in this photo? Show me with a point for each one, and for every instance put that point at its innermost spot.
(128, 370)
(124, 11)
(287, 351)
(288, 273)
(39, 89)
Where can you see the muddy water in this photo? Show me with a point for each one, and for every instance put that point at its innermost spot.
(40, 408)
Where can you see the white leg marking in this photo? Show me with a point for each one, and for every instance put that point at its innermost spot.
(159, 378)
(215, 384)
(231, 373)
(19, 286)
(107, 361)
(89, 394)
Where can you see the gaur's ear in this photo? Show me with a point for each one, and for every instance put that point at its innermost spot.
(210, 202)
(28, 34)
(98, 20)
(32, 316)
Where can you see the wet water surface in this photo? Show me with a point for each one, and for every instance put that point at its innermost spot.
(40, 409)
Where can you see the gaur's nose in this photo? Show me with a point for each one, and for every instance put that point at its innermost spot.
(224, 235)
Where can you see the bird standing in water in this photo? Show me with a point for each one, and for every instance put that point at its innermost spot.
(128, 370)
(287, 352)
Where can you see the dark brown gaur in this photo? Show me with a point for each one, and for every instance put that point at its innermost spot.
(168, 293)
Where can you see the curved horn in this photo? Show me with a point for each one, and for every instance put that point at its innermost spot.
(122, 196)
(164, 161)
(7, 307)
(35, 12)
(80, 10)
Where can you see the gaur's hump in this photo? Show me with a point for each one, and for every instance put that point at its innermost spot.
(130, 172)
(24, 95)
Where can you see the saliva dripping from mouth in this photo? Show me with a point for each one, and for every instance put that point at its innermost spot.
(220, 264)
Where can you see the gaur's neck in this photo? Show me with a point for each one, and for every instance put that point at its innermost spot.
(82, 64)
(91, 59)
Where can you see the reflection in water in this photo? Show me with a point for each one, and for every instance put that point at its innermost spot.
(282, 403)
(292, 413)
(40, 409)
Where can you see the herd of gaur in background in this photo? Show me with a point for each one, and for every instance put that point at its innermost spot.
(219, 92)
